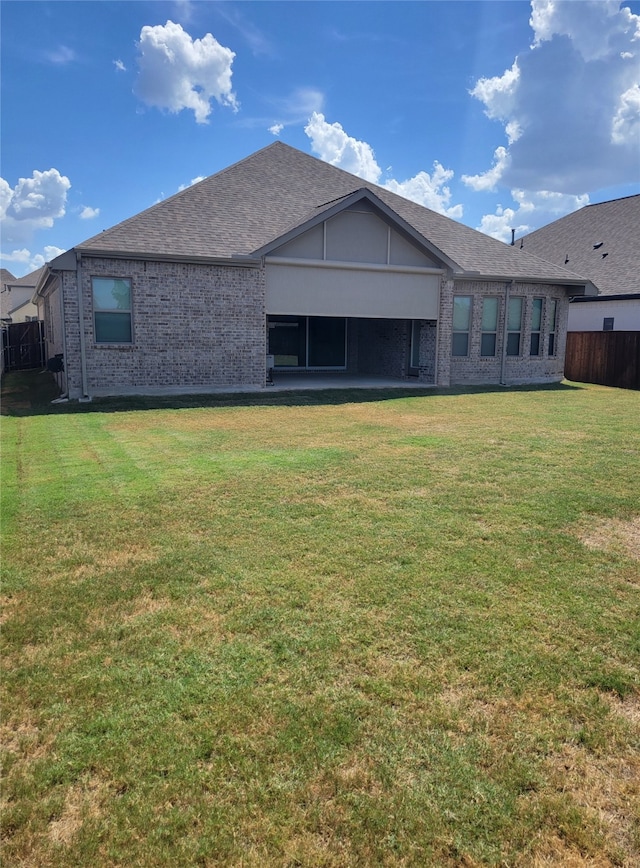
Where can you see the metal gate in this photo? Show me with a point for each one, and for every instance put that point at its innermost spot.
(23, 345)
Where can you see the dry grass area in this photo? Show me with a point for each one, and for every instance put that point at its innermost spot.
(613, 534)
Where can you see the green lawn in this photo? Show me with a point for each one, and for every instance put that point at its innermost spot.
(332, 630)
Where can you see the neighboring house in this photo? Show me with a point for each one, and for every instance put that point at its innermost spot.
(5, 298)
(17, 293)
(601, 242)
(286, 255)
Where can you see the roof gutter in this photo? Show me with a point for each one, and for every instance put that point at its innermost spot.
(237, 259)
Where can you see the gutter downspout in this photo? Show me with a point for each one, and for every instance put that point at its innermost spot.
(83, 354)
(505, 332)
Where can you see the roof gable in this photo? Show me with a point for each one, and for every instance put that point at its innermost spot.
(363, 195)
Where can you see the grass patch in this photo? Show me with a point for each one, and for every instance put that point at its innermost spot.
(322, 631)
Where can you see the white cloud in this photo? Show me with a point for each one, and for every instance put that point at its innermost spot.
(500, 224)
(178, 72)
(6, 194)
(60, 56)
(499, 93)
(625, 127)
(34, 203)
(429, 190)
(89, 213)
(569, 103)
(596, 28)
(190, 184)
(489, 179)
(22, 256)
(119, 65)
(30, 261)
(335, 146)
(276, 129)
(533, 210)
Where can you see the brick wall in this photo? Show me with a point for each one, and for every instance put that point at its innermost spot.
(427, 355)
(205, 326)
(50, 311)
(476, 369)
(193, 325)
(383, 347)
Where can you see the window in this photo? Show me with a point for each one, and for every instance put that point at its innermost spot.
(308, 341)
(536, 326)
(112, 310)
(514, 326)
(461, 324)
(553, 314)
(607, 324)
(489, 326)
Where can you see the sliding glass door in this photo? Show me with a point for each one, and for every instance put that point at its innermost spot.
(318, 342)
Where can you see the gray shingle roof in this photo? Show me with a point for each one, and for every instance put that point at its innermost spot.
(614, 226)
(28, 280)
(244, 207)
(6, 276)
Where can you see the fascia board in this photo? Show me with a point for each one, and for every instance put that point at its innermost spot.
(43, 282)
(575, 283)
(236, 260)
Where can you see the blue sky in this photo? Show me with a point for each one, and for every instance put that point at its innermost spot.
(499, 114)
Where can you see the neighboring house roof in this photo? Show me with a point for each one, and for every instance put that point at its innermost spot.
(20, 291)
(5, 297)
(6, 276)
(599, 241)
(245, 208)
(29, 281)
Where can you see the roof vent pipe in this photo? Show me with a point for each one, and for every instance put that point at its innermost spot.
(513, 237)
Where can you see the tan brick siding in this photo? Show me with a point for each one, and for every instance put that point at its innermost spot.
(476, 369)
(193, 325)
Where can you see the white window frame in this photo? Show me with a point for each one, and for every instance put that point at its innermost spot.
(118, 312)
(458, 331)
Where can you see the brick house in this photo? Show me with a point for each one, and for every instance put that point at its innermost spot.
(284, 255)
(15, 297)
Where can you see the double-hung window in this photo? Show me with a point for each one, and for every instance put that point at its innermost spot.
(553, 316)
(112, 310)
(489, 326)
(514, 326)
(536, 326)
(461, 325)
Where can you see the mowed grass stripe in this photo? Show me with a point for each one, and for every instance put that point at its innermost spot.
(387, 632)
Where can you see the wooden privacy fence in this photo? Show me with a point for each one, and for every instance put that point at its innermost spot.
(606, 358)
(23, 346)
